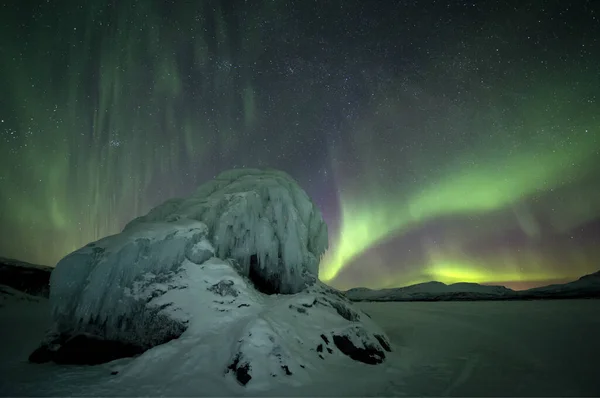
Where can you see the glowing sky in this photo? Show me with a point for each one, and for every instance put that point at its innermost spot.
(455, 141)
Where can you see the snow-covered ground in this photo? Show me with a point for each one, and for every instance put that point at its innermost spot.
(515, 348)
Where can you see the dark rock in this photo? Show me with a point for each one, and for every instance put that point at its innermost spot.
(383, 342)
(321, 356)
(41, 355)
(335, 292)
(286, 370)
(310, 305)
(224, 288)
(114, 372)
(97, 250)
(369, 355)
(243, 305)
(329, 350)
(344, 311)
(83, 350)
(325, 339)
(299, 309)
(242, 372)
(260, 282)
(320, 348)
(198, 256)
(155, 327)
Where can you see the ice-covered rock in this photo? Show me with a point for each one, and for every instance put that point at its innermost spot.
(262, 219)
(225, 281)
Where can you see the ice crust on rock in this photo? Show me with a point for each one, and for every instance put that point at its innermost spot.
(92, 290)
(261, 219)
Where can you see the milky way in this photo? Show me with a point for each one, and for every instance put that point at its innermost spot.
(455, 141)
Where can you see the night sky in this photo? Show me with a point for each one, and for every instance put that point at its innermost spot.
(443, 140)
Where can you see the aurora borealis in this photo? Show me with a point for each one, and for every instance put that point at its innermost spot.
(451, 141)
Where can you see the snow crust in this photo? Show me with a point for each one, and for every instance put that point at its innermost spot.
(275, 338)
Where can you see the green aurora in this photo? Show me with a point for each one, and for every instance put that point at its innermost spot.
(497, 179)
(109, 109)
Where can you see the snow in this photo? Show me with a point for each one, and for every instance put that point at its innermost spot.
(515, 348)
(234, 322)
(10, 296)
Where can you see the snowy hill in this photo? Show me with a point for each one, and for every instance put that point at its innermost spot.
(587, 286)
(24, 277)
(218, 289)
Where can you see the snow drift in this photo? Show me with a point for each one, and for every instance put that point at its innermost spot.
(227, 278)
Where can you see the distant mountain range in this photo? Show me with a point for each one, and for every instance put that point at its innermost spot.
(25, 277)
(35, 280)
(587, 286)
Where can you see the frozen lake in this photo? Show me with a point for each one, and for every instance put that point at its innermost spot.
(509, 348)
(518, 348)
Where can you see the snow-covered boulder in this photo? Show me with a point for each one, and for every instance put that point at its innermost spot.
(224, 281)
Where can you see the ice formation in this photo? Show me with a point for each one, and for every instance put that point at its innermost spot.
(261, 219)
(197, 270)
